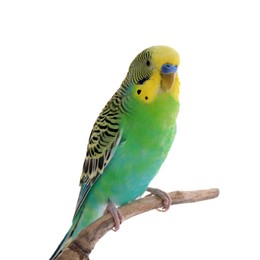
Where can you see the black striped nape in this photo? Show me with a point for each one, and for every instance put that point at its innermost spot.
(140, 69)
(107, 124)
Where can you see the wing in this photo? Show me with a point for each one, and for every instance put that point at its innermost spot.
(103, 140)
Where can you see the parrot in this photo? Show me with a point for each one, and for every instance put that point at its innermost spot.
(129, 140)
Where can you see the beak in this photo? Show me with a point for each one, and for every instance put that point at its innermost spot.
(168, 73)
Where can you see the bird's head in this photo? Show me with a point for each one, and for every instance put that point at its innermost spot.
(154, 71)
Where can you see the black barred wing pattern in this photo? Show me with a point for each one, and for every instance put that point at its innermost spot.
(103, 140)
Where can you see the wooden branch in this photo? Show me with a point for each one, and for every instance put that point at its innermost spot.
(83, 244)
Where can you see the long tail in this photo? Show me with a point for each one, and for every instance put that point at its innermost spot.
(68, 237)
(91, 215)
(61, 245)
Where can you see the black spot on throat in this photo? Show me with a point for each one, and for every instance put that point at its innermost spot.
(141, 81)
(139, 91)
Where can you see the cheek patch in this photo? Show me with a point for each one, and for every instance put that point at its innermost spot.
(148, 91)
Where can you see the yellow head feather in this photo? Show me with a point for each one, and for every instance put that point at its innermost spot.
(147, 90)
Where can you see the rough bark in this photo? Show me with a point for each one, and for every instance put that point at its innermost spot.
(81, 247)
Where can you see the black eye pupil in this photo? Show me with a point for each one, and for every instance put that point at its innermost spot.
(148, 63)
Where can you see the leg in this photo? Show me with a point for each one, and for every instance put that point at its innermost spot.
(116, 214)
(164, 196)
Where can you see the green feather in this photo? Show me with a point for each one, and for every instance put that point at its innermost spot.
(129, 140)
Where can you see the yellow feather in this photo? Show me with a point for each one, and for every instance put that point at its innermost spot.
(152, 87)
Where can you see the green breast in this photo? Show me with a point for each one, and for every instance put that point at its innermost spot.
(148, 133)
(151, 125)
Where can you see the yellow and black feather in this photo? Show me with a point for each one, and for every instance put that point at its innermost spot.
(106, 133)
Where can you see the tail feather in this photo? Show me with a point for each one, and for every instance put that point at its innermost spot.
(68, 236)
(61, 245)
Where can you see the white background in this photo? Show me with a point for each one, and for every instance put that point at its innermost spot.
(60, 62)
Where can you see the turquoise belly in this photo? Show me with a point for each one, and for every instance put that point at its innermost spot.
(148, 133)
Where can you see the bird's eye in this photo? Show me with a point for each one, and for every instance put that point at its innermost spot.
(148, 63)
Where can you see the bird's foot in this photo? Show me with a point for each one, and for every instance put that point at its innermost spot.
(164, 196)
(116, 214)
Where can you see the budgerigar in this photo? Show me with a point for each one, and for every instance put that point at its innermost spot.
(130, 139)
